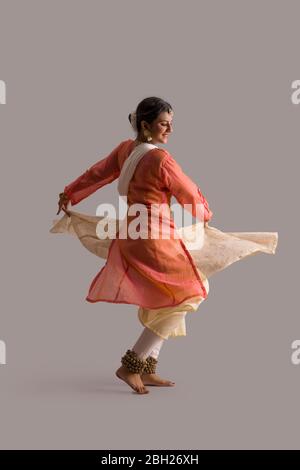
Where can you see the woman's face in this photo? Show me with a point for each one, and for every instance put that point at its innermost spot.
(161, 127)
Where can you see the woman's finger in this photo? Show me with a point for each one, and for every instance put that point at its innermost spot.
(60, 205)
(66, 211)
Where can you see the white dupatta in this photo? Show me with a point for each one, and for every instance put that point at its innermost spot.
(130, 164)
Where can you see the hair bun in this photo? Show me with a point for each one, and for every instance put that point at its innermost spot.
(132, 118)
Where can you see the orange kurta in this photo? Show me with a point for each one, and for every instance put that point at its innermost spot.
(152, 273)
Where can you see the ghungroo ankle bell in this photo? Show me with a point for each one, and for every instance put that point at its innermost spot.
(132, 362)
(150, 366)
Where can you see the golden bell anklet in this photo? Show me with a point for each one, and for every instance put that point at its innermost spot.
(150, 367)
(132, 362)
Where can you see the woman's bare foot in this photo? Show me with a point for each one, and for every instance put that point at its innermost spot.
(153, 379)
(133, 380)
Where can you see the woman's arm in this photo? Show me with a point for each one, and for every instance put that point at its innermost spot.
(101, 173)
(184, 189)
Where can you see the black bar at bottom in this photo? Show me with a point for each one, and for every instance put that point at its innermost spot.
(137, 458)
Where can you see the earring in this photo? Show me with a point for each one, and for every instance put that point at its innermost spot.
(147, 135)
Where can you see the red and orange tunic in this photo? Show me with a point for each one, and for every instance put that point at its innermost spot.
(149, 272)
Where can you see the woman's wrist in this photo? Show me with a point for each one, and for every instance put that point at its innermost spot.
(64, 196)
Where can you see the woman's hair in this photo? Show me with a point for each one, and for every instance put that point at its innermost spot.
(149, 109)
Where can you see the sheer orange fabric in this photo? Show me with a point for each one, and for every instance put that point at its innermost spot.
(151, 273)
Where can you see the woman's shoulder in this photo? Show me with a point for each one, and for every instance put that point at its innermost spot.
(125, 143)
(160, 154)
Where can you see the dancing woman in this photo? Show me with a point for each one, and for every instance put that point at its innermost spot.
(157, 274)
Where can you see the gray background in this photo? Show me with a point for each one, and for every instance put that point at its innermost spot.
(74, 70)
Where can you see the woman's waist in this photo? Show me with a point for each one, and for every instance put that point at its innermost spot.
(150, 221)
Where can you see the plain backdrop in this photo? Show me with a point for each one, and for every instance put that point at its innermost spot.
(74, 70)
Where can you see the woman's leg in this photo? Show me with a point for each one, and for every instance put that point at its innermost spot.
(156, 350)
(148, 343)
(148, 348)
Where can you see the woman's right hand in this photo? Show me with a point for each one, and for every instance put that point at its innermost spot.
(63, 204)
(210, 217)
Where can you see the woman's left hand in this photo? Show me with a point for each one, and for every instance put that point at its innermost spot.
(63, 204)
